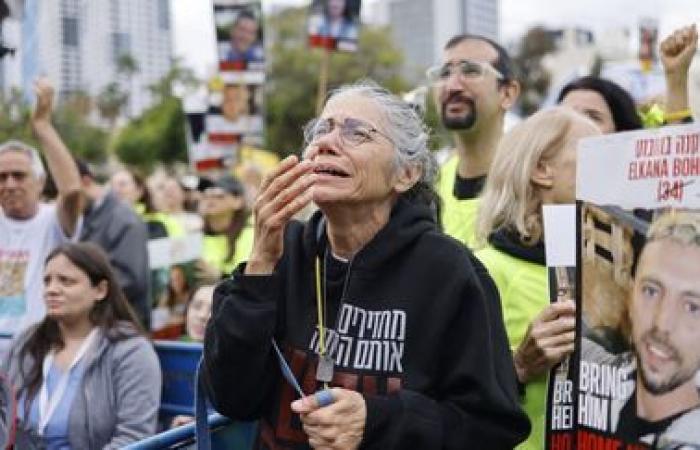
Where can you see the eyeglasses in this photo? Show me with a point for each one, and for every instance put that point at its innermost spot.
(353, 132)
(471, 70)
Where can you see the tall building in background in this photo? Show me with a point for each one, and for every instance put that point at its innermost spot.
(422, 27)
(81, 45)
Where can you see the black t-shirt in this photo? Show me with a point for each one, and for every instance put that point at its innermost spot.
(631, 427)
(466, 188)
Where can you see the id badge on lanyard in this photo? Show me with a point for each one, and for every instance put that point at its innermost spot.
(48, 405)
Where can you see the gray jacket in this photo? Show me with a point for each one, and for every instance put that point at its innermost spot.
(121, 233)
(120, 390)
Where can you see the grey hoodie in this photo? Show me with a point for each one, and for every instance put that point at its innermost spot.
(120, 390)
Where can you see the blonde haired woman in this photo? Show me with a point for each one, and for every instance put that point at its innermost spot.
(535, 164)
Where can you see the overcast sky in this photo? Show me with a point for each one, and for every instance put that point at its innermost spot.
(194, 35)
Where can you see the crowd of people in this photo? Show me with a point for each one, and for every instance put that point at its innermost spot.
(411, 309)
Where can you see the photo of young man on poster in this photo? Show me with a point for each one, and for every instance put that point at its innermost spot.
(239, 36)
(653, 388)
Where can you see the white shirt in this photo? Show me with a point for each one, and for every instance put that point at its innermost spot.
(24, 246)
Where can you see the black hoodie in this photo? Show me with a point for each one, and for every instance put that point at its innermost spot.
(419, 333)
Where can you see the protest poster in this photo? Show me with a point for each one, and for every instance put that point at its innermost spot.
(239, 36)
(334, 24)
(637, 356)
(172, 265)
(560, 257)
(233, 115)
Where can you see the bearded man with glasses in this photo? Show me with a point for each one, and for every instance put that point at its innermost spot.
(473, 88)
(365, 327)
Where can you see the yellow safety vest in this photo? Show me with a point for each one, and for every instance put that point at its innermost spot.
(215, 249)
(458, 216)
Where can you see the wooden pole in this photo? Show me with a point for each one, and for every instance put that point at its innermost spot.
(323, 79)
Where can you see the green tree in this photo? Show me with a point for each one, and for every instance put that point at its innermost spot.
(111, 101)
(293, 73)
(158, 135)
(534, 78)
(177, 75)
(84, 140)
(70, 118)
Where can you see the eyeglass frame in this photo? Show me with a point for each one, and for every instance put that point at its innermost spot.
(344, 139)
(434, 73)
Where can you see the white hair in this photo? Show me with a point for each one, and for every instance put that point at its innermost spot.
(31, 152)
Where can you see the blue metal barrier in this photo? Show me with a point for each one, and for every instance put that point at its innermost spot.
(178, 362)
(225, 434)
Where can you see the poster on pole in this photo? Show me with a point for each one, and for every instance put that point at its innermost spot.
(239, 36)
(234, 111)
(334, 24)
(637, 358)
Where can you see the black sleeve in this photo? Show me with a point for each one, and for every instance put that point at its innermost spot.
(239, 366)
(476, 405)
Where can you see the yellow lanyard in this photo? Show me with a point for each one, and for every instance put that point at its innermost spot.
(319, 307)
(320, 310)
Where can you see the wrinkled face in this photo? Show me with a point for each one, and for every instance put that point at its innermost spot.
(359, 166)
(68, 293)
(665, 315)
(235, 102)
(20, 189)
(463, 102)
(124, 186)
(198, 312)
(564, 164)
(591, 104)
(244, 33)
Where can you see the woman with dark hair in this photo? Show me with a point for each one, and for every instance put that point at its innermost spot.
(86, 376)
(169, 315)
(604, 102)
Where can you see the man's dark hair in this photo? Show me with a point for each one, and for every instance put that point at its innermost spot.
(503, 63)
(624, 112)
(245, 14)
